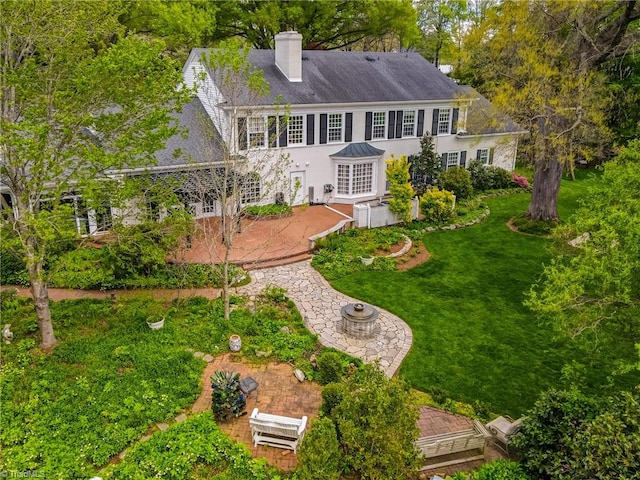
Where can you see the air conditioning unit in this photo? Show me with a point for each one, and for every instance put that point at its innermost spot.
(328, 188)
(279, 198)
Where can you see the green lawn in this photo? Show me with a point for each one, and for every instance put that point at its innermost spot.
(472, 335)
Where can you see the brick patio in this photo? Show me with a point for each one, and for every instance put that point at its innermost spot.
(279, 393)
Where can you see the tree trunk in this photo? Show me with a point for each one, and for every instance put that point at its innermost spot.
(41, 302)
(546, 186)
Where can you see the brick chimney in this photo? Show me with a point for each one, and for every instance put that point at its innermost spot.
(289, 55)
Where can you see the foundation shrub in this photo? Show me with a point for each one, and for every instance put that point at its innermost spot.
(500, 178)
(480, 176)
(458, 181)
(319, 455)
(269, 209)
(437, 205)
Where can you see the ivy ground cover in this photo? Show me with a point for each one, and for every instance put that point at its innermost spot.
(111, 378)
(473, 337)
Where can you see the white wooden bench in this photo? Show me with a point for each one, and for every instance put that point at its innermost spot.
(471, 441)
(277, 431)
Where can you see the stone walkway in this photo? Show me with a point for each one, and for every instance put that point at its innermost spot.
(319, 304)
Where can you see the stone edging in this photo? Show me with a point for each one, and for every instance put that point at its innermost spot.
(455, 226)
(407, 246)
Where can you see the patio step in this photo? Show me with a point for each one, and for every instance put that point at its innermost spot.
(275, 262)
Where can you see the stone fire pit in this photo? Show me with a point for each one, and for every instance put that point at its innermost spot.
(359, 320)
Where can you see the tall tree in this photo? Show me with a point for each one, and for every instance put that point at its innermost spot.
(73, 105)
(537, 61)
(324, 24)
(235, 168)
(182, 25)
(601, 281)
(440, 22)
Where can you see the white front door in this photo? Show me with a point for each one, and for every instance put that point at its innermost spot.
(296, 188)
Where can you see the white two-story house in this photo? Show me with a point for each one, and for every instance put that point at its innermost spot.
(348, 112)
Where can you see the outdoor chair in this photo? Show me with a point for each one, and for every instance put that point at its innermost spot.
(504, 427)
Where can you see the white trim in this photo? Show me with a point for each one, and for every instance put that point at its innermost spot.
(351, 162)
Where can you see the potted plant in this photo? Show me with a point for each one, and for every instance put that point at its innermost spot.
(227, 399)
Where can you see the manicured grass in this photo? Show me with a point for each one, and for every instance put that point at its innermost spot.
(472, 335)
(111, 378)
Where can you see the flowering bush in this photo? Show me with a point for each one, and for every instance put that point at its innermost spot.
(519, 180)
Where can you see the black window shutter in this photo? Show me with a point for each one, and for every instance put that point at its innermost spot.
(478, 154)
(491, 156)
(454, 121)
(311, 125)
(420, 130)
(348, 126)
(444, 162)
(368, 125)
(323, 128)
(242, 133)
(392, 124)
(399, 124)
(463, 158)
(434, 124)
(272, 131)
(283, 132)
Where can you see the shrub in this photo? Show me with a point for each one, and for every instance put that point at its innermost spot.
(547, 436)
(269, 209)
(83, 268)
(227, 400)
(401, 190)
(376, 425)
(480, 176)
(12, 269)
(519, 180)
(458, 181)
(437, 205)
(319, 455)
(500, 178)
(329, 367)
(500, 470)
(332, 395)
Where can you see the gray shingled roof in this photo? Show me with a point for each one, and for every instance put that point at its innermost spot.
(354, 77)
(358, 150)
(198, 146)
(483, 118)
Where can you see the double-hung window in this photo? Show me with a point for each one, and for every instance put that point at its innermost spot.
(257, 132)
(444, 120)
(409, 123)
(334, 128)
(379, 125)
(295, 135)
(355, 178)
(453, 159)
(251, 189)
(483, 156)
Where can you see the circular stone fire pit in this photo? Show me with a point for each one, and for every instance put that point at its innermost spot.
(359, 320)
